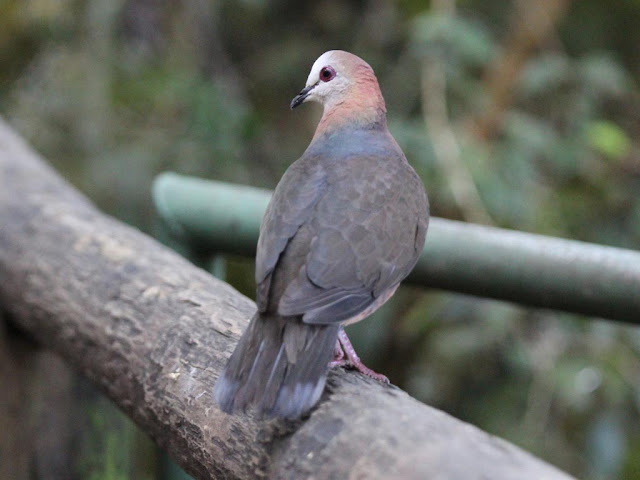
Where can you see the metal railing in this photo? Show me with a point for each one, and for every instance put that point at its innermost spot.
(529, 269)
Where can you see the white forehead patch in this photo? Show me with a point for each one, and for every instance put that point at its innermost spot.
(322, 61)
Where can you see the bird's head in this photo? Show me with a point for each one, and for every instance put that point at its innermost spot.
(337, 76)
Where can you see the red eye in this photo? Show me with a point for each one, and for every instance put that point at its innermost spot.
(327, 74)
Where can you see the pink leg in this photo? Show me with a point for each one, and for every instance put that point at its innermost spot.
(344, 348)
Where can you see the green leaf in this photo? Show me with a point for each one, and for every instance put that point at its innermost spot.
(545, 73)
(459, 39)
(608, 139)
(603, 74)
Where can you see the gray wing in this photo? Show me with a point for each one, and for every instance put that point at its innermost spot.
(368, 230)
(290, 207)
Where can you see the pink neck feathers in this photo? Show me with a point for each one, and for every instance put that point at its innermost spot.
(361, 105)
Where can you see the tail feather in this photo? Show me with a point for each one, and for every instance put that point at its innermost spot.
(279, 367)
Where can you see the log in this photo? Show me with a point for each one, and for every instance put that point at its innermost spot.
(153, 332)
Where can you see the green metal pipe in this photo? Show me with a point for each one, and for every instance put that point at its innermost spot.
(529, 269)
(210, 216)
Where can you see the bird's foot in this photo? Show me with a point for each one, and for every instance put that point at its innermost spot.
(339, 363)
(338, 357)
(338, 354)
(345, 356)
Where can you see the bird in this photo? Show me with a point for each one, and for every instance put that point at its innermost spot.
(345, 225)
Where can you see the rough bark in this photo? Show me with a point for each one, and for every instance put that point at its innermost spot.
(55, 425)
(153, 331)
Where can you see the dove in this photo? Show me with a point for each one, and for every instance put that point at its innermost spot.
(345, 225)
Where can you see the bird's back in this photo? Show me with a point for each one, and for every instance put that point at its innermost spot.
(360, 235)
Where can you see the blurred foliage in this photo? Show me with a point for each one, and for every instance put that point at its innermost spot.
(113, 92)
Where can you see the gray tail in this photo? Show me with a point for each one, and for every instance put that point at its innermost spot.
(279, 367)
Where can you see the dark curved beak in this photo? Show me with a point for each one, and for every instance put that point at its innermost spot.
(299, 99)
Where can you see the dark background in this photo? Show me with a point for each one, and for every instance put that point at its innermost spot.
(541, 97)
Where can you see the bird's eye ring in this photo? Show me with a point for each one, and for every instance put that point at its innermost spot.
(327, 74)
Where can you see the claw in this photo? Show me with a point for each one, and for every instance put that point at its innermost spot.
(344, 348)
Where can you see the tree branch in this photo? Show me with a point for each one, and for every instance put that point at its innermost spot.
(153, 331)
